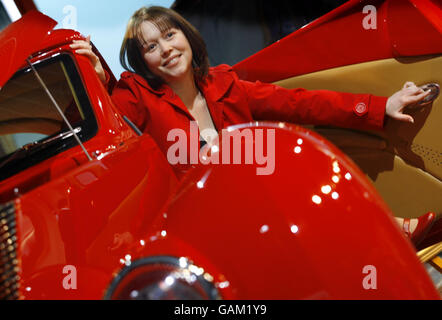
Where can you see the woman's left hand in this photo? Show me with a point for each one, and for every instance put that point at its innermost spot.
(84, 47)
(409, 95)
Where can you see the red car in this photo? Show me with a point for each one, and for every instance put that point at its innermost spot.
(91, 208)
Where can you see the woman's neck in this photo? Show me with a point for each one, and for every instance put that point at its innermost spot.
(186, 89)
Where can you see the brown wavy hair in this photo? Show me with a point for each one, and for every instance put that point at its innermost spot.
(131, 57)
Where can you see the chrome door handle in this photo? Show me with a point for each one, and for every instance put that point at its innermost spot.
(435, 90)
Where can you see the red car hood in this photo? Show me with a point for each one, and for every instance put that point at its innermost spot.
(19, 40)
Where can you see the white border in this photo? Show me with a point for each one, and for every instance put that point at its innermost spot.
(11, 9)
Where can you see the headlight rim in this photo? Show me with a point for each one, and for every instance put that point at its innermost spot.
(208, 286)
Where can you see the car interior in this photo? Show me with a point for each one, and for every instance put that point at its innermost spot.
(404, 161)
(26, 112)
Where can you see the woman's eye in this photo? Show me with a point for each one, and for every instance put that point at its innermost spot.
(169, 35)
(151, 46)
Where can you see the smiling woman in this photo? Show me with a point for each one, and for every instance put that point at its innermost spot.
(163, 35)
(169, 84)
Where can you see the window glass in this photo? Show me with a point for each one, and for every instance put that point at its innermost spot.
(28, 116)
(4, 17)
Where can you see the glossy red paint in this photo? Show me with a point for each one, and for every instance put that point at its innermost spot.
(74, 212)
(85, 215)
(415, 27)
(296, 234)
(88, 217)
(18, 41)
(259, 237)
(404, 28)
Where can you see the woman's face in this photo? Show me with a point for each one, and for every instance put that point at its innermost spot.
(168, 54)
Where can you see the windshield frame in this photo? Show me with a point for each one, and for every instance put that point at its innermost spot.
(88, 126)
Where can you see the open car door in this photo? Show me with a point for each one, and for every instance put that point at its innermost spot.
(360, 47)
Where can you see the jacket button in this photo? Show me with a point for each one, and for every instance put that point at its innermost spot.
(360, 109)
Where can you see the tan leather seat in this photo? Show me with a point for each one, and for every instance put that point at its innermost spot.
(404, 162)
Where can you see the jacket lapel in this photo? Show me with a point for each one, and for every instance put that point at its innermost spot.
(214, 89)
(166, 93)
(176, 102)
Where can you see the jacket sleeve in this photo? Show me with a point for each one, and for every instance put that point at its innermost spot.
(127, 98)
(318, 107)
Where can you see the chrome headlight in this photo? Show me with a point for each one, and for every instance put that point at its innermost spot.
(162, 278)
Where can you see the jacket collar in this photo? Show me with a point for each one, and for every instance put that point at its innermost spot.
(214, 87)
(143, 82)
(216, 84)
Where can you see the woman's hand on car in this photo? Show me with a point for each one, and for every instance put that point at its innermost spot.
(409, 95)
(84, 47)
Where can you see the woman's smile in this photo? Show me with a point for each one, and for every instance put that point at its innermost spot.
(172, 62)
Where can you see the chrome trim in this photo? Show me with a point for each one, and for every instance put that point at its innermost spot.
(57, 107)
(9, 278)
(133, 126)
(435, 90)
(207, 285)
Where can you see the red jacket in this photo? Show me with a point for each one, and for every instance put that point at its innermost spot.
(232, 101)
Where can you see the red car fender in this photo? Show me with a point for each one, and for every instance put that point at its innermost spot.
(91, 214)
(314, 229)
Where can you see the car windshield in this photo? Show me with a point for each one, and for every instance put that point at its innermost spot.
(28, 117)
